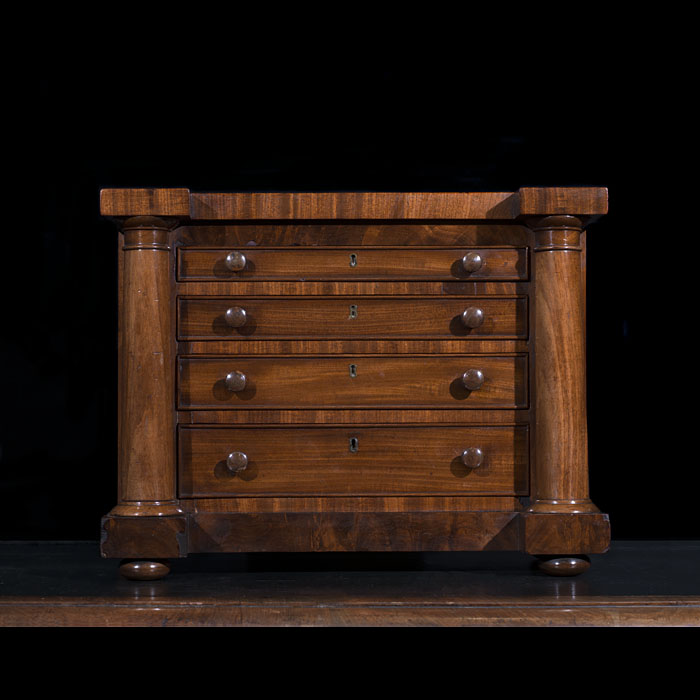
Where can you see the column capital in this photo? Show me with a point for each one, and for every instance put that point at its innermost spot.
(147, 222)
(147, 232)
(561, 232)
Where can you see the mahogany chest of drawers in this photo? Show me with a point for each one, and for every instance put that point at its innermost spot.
(352, 372)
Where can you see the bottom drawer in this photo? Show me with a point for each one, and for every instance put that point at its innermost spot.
(321, 461)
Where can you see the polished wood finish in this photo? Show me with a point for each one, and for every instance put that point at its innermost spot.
(400, 288)
(372, 264)
(172, 202)
(146, 356)
(352, 205)
(580, 201)
(321, 461)
(363, 416)
(346, 371)
(249, 235)
(561, 462)
(364, 381)
(150, 536)
(439, 531)
(144, 570)
(564, 566)
(351, 504)
(345, 346)
(472, 262)
(565, 533)
(207, 206)
(373, 318)
(236, 261)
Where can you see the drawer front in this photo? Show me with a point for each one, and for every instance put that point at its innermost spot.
(404, 263)
(352, 382)
(351, 317)
(352, 461)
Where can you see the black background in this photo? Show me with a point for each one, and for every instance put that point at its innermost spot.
(381, 124)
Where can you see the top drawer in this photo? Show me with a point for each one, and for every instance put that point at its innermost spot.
(346, 263)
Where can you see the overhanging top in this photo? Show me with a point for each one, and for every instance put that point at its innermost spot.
(236, 206)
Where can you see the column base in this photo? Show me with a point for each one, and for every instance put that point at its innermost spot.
(146, 508)
(144, 537)
(583, 505)
(556, 533)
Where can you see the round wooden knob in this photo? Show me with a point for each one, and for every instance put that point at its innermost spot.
(473, 379)
(237, 461)
(235, 261)
(235, 381)
(472, 262)
(236, 317)
(473, 457)
(473, 317)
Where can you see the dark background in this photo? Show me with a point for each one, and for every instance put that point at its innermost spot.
(377, 125)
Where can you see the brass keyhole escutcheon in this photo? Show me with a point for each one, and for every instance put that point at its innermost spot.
(353, 260)
(354, 444)
(353, 311)
(353, 371)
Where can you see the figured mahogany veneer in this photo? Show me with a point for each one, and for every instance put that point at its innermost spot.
(352, 371)
(372, 264)
(361, 381)
(358, 316)
(385, 460)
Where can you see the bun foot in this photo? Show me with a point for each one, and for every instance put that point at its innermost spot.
(144, 570)
(564, 565)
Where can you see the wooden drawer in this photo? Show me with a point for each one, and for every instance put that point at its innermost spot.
(325, 461)
(365, 381)
(358, 263)
(350, 317)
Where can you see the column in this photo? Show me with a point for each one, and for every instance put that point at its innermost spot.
(147, 461)
(561, 430)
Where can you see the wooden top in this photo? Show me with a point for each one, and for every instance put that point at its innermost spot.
(240, 206)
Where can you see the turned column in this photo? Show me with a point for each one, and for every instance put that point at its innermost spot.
(561, 432)
(147, 463)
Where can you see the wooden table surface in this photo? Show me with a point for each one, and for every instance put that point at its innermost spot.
(637, 583)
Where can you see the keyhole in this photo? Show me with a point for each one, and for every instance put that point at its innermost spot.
(354, 444)
(353, 371)
(353, 311)
(353, 260)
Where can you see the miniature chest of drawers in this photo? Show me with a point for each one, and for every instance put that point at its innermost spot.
(307, 372)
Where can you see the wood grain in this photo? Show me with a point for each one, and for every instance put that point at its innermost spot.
(131, 202)
(364, 346)
(356, 416)
(561, 463)
(351, 504)
(565, 533)
(384, 318)
(318, 461)
(349, 288)
(144, 537)
(180, 202)
(668, 612)
(253, 234)
(352, 532)
(577, 201)
(326, 382)
(352, 263)
(146, 381)
(353, 333)
(351, 205)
